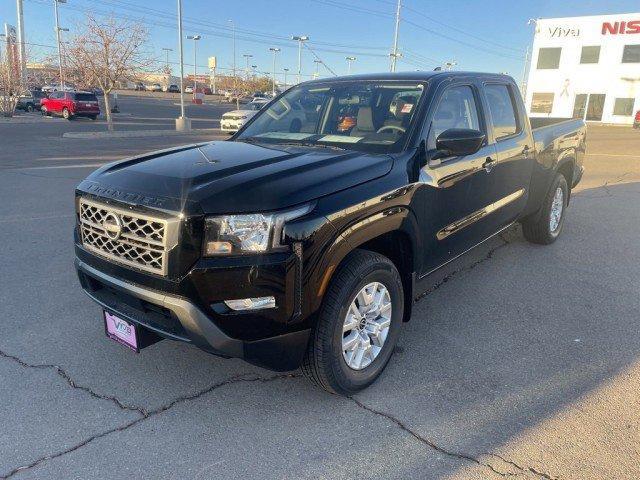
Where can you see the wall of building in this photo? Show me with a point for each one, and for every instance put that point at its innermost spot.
(572, 80)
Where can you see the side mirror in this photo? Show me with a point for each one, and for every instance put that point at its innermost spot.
(457, 142)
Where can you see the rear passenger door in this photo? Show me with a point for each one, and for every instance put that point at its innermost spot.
(501, 190)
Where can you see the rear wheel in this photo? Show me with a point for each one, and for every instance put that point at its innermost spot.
(29, 107)
(93, 117)
(549, 224)
(358, 326)
(66, 114)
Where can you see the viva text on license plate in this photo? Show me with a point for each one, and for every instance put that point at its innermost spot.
(121, 331)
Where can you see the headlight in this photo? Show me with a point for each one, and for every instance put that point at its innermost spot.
(244, 234)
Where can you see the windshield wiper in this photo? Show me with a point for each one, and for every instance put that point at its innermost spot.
(310, 144)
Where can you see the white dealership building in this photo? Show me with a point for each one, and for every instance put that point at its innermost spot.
(586, 67)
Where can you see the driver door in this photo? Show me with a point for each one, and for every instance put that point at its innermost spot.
(449, 228)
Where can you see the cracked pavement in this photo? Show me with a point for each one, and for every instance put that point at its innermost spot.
(521, 361)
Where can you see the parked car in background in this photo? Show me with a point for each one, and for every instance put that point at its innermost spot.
(71, 104)
(205, 90)
(67, 87)
(30, 100)
(139, 86)
(173, 88)
(231, 122)
(154, 87)
(188, 89)
(636, 120)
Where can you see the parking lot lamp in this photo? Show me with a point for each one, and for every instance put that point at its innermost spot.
(58, 30)
(195, 39)
(182, 123)
(275, 50)
(300, 39)
(350, 60)
(285, 78)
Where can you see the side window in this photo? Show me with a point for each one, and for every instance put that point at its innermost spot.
(503, 112)
(457, 109)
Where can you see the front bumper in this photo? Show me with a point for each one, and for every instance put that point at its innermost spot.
(178, 318)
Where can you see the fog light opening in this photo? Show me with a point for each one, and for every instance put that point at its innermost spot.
(257, 303)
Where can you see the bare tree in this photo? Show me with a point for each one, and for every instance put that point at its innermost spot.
(107, 52)
(9, 87)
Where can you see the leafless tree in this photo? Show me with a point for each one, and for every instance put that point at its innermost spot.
(9, 87)
(107, 52)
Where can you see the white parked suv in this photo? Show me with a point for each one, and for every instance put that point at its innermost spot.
(232, 121)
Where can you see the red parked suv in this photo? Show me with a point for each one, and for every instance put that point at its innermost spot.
(71, 104)
(636, 120)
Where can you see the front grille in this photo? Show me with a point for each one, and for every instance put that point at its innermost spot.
(124, 236)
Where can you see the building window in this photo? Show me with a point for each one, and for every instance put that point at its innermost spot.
(549, 58)
(623, 107)
(590, 54)
(542, 103)
(631, 54)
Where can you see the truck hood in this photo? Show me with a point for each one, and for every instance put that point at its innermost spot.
(234, 177)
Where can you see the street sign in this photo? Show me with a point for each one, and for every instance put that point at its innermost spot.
(212, 63)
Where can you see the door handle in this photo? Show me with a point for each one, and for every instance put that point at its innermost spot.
(489, 163)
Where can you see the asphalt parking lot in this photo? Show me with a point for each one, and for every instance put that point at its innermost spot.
(523, 360)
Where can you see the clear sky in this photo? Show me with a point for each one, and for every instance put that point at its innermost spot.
(488, 35)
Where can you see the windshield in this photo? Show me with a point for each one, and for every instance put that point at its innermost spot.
(367, 116)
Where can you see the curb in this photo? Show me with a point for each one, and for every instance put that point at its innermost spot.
(141, 133)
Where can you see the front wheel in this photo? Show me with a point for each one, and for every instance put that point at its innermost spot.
(44, 111)
(358, 326)
(29, 108)
(546, 229)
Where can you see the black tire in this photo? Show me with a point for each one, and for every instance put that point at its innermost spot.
(93, 117)
(44, 111)
(540, 231)
(29, 108)
(324, 363)
(66, 114)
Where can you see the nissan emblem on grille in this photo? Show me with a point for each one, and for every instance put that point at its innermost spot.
(112, 225)
(125, 236)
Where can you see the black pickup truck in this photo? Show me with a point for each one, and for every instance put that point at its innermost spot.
(304, 240)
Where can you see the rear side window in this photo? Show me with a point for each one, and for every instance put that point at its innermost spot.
(503, 112)
(457, 109)
(85, 97)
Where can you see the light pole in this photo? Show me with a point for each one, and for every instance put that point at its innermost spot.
(235, 83)
(58, 30)
(394, 53)
(195, 39)
(300, 39)
(285, 77)
(275, 51)
(182, 123)
(21, 45)
(349, 61)
(247, 56)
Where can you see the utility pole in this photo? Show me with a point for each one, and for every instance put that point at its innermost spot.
(300, 39)
(247, 56)
(3, 36)
(275, 51)
(21, 44)
(316, 74)
(58, 30)
(285, 77)
(394, 54)
(182, 123)
(349, 61)
(167, 50)
(523, 84)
